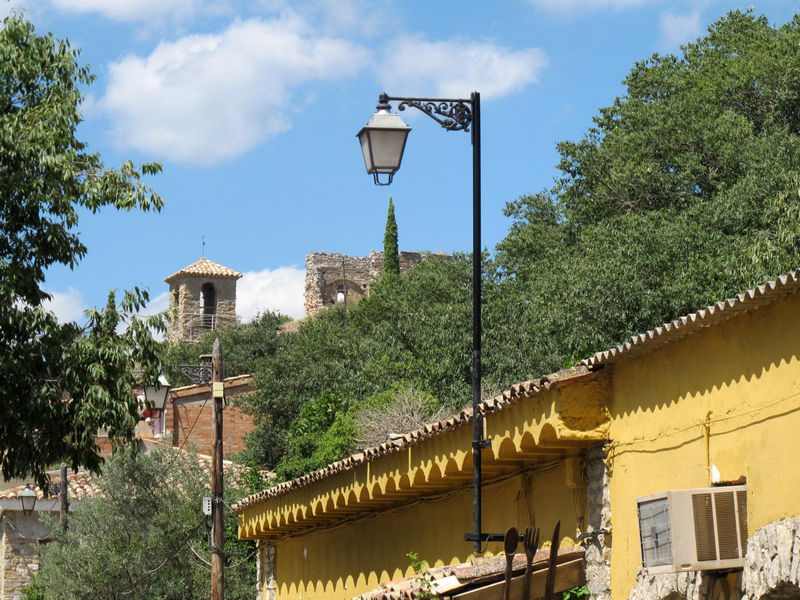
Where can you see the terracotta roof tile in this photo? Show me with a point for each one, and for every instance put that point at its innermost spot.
(496, 404)
(205, 268)
(80, 485)
(83, 485)
(685, 325)
(456, 578)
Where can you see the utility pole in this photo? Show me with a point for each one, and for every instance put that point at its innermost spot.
(217, 529)
(62, 497)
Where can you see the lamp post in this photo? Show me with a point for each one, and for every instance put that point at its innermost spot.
(383, 140)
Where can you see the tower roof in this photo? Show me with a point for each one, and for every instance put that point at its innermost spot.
(204, 268)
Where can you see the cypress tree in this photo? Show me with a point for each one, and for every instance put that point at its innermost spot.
(391, 256)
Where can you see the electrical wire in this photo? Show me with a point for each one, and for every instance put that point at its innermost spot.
(617, 448)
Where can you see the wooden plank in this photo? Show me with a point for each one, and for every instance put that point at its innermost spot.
(568, 575)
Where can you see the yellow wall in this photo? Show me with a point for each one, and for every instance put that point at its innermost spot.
(743, 378)
(342, 562)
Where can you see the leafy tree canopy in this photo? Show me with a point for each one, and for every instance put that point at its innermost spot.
(684, 192)
(145, 537)
(61, 382)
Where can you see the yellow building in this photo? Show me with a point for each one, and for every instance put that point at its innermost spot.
(712, 398)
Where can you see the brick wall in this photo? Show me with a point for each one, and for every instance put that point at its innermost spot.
(191, 423)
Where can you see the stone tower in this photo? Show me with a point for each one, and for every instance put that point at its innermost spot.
(202, 297)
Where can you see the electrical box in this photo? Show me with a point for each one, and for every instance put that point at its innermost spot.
(207, 506)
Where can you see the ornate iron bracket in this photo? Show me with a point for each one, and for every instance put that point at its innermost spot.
(198, 374)
(452, 114)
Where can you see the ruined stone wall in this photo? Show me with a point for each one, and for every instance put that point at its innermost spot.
(186, 320)
(329, 274)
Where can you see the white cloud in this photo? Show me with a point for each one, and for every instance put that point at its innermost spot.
(158, 304)
(206, 98)
(130, 10)
(454, 68)
(67, 306)
(679, 29)
(279, 290)
(571, 6)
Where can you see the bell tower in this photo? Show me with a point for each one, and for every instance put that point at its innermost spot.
(202, 297)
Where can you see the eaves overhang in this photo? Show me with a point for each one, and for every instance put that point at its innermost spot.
(524, 426)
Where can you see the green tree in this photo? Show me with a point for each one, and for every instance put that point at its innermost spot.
(144, 537)
(684, 192)
(61, 382)
(391, 254)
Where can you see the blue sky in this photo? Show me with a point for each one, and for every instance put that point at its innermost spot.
(253, 106)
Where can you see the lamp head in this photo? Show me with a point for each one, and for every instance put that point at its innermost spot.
(27, 499)
(383, 140)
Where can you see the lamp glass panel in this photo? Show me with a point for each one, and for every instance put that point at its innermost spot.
(28, 499)
(387, 148)
(157, 397)
(363, 137)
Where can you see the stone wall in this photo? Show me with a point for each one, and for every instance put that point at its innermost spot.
(187, 322)
(598, 546)
(772, 563)
(19, 551)
(329, 274)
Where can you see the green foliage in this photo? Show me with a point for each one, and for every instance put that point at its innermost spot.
(425, 591)
(413, 329)
(243, 346)
(576, 593)
(321, 434)
(136, 540)
(683, 193)
(391, 253)
(61, 382)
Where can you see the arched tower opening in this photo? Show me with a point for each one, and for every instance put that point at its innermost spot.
(208, 304)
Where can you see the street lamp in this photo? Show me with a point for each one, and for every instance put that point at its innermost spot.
(383, 140)
(156, 395)
(27, 498)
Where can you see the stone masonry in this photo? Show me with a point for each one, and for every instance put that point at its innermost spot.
(19, 551)
(598, 547)
(328, 275)
(772, 563)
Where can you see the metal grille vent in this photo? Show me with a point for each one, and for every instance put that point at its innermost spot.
(726, 525)
(741, 501)
(704, 527)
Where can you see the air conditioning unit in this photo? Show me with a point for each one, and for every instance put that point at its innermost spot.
(693, 530)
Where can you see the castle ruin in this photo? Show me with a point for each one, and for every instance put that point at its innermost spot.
(336, 278)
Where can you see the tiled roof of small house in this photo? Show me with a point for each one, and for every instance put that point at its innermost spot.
(83, 485)
(79, 485)
(195, 389)
(685, 325)
(584, 371)
(205, 268)
(451, 579)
